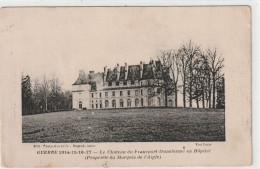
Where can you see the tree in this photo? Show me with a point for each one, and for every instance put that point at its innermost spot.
(38, 95)
(221, 93)
(175, 69)
(183, 72)
(215, 64)
(45, 87)
(162, 82)
(26, 95)
(56, 93)
(189, 53)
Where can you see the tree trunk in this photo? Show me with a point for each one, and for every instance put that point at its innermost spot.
(190, 92)
(209, 92)
(214, 88)
(166, 100)
(203, 101)
(190, 85)
(46, 105)
(184, 92)
(176, 96)
(197, 101)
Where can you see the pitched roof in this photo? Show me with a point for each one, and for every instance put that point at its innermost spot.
(111, 75)
(149, 72)
(89, 78)
(133, 72)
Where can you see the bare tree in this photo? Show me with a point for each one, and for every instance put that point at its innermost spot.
(162, 83)
(215, 63)
(189, 53)
(183, 72)
(175, 68)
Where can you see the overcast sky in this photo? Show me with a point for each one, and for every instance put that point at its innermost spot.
(61, 42)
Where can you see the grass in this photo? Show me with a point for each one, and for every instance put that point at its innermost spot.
(125, 125)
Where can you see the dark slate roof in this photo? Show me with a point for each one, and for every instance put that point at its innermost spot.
(89, 79)
(122, 73)
(148, 71)
(111, 75)
(133, 72)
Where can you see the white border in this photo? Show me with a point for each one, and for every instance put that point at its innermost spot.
(255, 11)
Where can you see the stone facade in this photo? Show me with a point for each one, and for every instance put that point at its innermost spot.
(123, 87)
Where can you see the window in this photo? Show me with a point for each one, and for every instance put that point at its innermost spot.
(106, 94)
(114, 103)
(121, 103)
(128, 103)
(106, 103)
(141, 92)
(100, 104)
(100, 95)
(113, 93)
(136, 102)
(159, 101)
(136, 93)
(149, 102)
(80, 104)
(92, 95)
(96, 104)
(149, 91)
(128, 92)
(125, 83)
(142, 102)
(170, 103)
(121, 93)
(92, 105)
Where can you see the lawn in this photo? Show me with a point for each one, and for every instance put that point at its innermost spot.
(125, 125)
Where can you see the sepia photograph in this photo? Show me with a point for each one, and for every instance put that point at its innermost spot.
(126, 86)
(173, 92)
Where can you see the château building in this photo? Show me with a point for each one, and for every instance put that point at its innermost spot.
(128, 86)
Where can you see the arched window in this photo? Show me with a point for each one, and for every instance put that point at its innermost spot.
(149, 101)
(80, 104)
(100, 104)
(106, 103)
(96, 104)
(136, 102)
(114, 103)
(128, 103)
(170, 103)
(121, 103)
(159, 101)
(142, 102)
(92, 105)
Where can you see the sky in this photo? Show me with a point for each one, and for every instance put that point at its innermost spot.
(60, 42)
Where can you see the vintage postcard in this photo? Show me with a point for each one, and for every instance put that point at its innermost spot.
(125, 86)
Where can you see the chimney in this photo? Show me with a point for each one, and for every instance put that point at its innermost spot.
(81, 73)
(153, 66)
(105, 73)
(118, 72)
(126, 71)
(141, 69)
